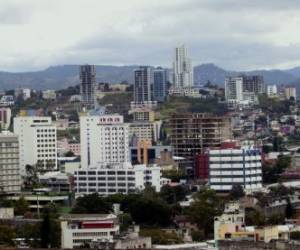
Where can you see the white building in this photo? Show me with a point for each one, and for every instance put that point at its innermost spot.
(80, 229)
(243, 89)
(103, 138)
(37, 140)
(5, 117)
(49, 94)
(272, 90)
(108, 179)
(10, 178)
(182, 67)
(7, 100)
(228, 167)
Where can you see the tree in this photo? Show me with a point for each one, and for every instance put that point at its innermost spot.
(31, 180)
(295, 235)
(237, 192)
(203, 210)
(21, 206)
(159, 236)
(172, 195)
(7, 234)
(254, 218)
(289, 210)
(91, 203)
(50, 228)
(69, 154)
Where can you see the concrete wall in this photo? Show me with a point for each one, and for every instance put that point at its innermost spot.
(250, 245)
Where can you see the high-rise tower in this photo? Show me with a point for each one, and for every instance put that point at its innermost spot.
(182, 69)
(88, 85)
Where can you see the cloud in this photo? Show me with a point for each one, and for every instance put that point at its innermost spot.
(235, 34)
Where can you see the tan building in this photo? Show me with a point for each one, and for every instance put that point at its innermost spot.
(10, 178)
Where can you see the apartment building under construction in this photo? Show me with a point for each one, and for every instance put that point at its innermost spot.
(191, 133)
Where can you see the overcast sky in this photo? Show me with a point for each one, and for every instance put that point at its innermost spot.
(234, 34)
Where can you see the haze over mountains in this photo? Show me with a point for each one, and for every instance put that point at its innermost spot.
(57, 77)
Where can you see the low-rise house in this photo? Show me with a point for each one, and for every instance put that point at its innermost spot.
(78, 230)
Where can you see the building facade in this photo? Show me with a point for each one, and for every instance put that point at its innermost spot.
(5, 118)
(10, 178)
(80, 229)
(229, 167)
(142, 85)
(290, 92)
(160, 84)
(37, 142)
(145, 130)
(182, 69)
(243, 89)
(88, 85)
(108, 179)
(192, 133)
(103, 138)
(272, 90)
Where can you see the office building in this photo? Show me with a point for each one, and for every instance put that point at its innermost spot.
(272, 90)
(10, 178)
(228, 167)
(108, 178)
(88, 85)
(145, 130)
(142, 85)
(290, 92)
(37, 142)
(5, 117)
(103, 138)
(160, 84)
(243, 89)
(191, 133)
(182, 69)
(80, 229)
(143, 114)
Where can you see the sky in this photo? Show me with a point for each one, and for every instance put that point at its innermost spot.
(233, 34)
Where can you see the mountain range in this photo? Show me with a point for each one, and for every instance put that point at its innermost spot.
(58, 77)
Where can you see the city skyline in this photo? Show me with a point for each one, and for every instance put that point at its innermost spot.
(231, 34)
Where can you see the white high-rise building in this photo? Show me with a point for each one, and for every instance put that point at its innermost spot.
(272, 90)
(228, 167)
(37, 142)
(243, 89)
(182, 69)
(104, 139)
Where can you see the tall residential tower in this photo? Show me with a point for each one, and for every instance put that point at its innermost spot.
(142, 85)
(88, 85)
(182, 69)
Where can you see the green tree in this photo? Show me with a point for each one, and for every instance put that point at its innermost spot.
(125, 221)
(159, 236)
(91, 203)
(236, 192)
(50, 228)
(295, 235)
(21, 206)
(7, 234)
(289, 210)
(172, 195)
(254, 218)
(203, 210)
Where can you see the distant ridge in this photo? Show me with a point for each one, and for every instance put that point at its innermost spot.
(57, 77)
